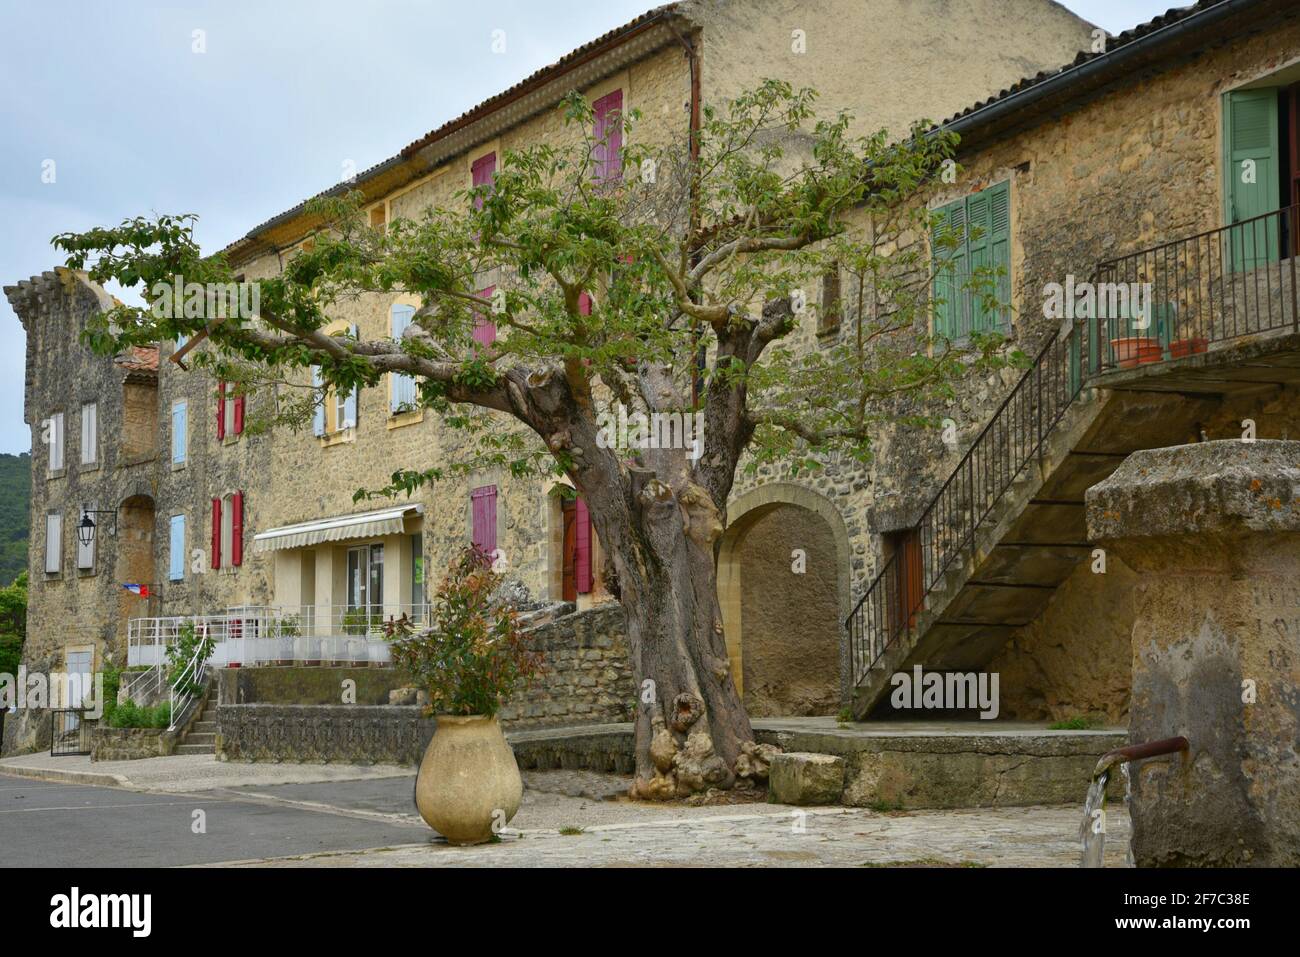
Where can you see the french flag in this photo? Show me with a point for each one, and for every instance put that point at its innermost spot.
(141, 590)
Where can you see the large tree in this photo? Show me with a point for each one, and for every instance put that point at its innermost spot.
(674, 284)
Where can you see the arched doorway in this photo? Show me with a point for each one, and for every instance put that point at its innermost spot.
(135, 561)
(782, 584)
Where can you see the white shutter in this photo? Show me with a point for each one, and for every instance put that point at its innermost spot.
(56, 441)
(176, 554)
(85, 553)
(53, 543)
(180, 432)
(403, 386)
(353, 399)
(318, 417)
(89, 433)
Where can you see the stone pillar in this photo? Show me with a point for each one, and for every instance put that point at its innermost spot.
(1213, 531)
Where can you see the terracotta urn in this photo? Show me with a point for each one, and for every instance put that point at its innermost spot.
(469, 781)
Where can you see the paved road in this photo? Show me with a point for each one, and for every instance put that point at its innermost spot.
(46, 824)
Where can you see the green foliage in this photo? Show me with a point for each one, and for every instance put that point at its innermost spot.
(179, 655)
(13, 624)
(15, 517)
(128, 714)
(474, 655)
(112, 684)
(1077, 723)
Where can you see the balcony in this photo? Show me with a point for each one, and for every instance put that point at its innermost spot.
(329, 635)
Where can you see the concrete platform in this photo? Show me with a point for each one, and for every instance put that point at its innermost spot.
(889, 764)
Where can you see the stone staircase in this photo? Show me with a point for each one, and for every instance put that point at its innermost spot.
(200, 736)
(1033, 536)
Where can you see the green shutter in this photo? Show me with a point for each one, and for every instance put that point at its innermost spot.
(947, 286)
(1000, 250)
(1250, 126)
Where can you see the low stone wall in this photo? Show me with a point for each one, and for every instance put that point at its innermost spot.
(587, 675)
(306, 685)
(356, 734)
(130, 744)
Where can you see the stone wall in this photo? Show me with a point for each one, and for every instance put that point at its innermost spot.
(587, 676)
(129, 744)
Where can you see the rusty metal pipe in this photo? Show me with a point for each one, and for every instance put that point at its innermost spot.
(1136, 752)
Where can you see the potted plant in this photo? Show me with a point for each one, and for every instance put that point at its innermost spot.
(470, 659)
(1190, 346)
(1131, 351)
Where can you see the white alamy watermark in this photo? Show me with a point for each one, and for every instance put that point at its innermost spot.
(75, 909)
(1101, 300)
(58, 689)
(658, 430)
(179, 299)
(945, 691)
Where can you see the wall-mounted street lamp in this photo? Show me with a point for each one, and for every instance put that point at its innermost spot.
(87, 527)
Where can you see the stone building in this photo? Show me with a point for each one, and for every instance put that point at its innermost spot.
(955, 556)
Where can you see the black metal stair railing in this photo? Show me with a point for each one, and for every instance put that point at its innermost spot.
(1213, 288)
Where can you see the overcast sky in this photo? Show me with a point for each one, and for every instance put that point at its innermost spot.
(285, 94)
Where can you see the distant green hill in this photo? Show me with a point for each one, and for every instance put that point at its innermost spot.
(15, 514)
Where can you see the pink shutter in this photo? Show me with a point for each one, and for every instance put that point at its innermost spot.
(216, 533)
(607, 130)
(582, 551)
(237, 529)
(485, 330)
(221, 410)
(483, 502)
(482, 172)
(584, 304)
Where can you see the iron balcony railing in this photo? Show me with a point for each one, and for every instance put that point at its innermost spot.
(1195, 295)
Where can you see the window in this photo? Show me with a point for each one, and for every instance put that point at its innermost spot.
(85, 551)
(981, 224)
(56, 442)
(1261, 160)
(337, 411)
(417, 569)
(483, 171)
(53, 543)
(607, 133)
(485, 330)
(378, 217)
(89, 433)
(230, 412)
(176, 549)
(402, 394)
(228, 531)
(366, 578)
(483, 518)
(180, 432)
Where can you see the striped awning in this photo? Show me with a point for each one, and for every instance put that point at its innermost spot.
(387, 521)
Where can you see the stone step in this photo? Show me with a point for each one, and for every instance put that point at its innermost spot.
(204, 726)
(196, 749)
(201, 738)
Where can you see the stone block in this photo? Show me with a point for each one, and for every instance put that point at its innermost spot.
(806, 778)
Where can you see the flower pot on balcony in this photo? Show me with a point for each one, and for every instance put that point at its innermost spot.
(469, 781)
(1132, 351)
(1181, 348)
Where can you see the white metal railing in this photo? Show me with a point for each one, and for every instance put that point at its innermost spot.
(188, 684)
(258, 635)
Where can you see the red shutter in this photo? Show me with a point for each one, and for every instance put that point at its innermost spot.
(483, 503)
(216, 533)
(482, 172)
(584, 304)
(582, 551)
(239, 414)
(485, 330)
(221, 410)
(607, 131)
(237, 528)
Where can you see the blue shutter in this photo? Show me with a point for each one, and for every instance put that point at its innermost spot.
(180, 431)
(403, 386)
(176, 555)
(350, 403)
(318, 416)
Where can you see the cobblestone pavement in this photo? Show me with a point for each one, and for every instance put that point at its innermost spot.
(626, 834)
